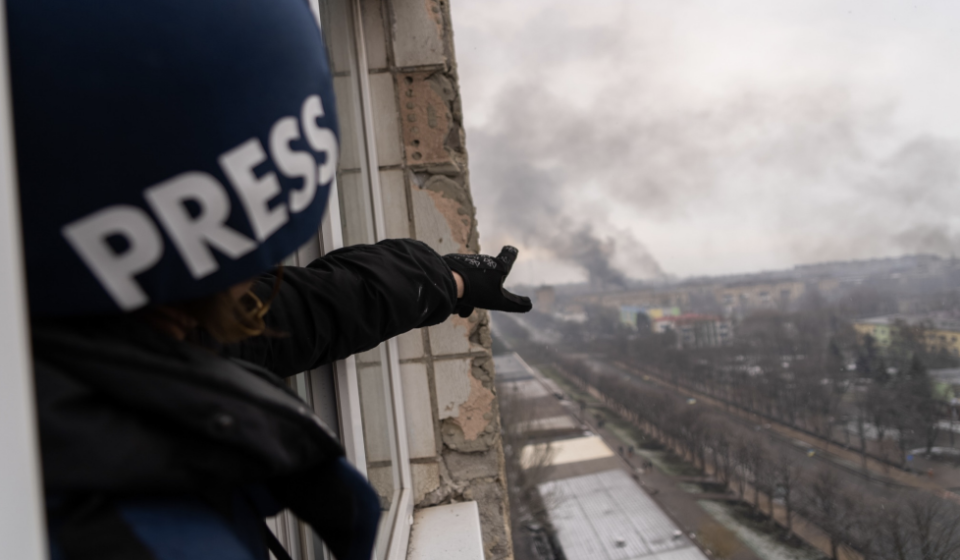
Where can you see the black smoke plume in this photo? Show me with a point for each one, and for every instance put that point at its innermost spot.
(826, 173)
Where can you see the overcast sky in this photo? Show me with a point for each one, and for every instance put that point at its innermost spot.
(692, 137)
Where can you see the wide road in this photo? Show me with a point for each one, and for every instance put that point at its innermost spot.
(881, 479)
(797, 444)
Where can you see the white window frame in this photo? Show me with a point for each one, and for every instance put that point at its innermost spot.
(22, 529)
(345, 371)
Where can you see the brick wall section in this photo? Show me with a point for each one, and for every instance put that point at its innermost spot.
(453, 422)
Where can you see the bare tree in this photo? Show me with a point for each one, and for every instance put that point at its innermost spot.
(881, 411)
(718, 441)
(691, 431)
(827, 505)
(936, 524)
(917, 525)
(927, 409)
(757, 458)
(741, 463)
(862, 418)
(787, 475)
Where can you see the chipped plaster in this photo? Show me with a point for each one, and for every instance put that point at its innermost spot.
(441, 213)
(474, 414)
(453, 386)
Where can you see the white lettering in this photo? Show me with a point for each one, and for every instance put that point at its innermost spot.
(255, 193)
(293, 163)
(194, 235)
(116, 269)
(320, 139)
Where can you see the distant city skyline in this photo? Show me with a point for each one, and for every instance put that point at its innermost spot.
(810, 270)
(702, 138)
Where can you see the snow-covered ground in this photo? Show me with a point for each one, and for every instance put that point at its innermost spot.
(870, 431)
(936, 451)
(948, 426)
(765, 546)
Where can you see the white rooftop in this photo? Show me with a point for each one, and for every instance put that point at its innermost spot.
(569, 450)
(511, 367)
(606, 516)
(524, 390)
(549, 424)
(514, 372)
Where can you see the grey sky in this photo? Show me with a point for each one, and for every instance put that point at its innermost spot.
(710, 136)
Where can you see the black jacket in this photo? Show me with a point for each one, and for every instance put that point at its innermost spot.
(124, 410)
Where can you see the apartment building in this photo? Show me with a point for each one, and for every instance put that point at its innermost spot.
(877, 327)
(545, 298)
(743, 297)
(943, 336)
(940, 334)
(734, 299)
(696, 331)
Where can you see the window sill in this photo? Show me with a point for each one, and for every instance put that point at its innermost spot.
(445, 532)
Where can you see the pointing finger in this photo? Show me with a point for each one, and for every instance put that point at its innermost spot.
(508, 255)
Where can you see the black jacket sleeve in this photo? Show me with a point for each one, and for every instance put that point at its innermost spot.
(349, 301)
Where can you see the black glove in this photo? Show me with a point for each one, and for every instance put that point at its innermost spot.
(483, 278)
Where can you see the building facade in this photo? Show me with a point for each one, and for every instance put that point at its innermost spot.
(427, 421)
(879, 328)
(732, 299)
(545, 298)
(940, 334)
(696, 331)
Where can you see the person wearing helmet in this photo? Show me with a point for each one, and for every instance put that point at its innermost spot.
(170, 154)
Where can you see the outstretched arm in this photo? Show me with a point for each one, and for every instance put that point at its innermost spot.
(349, 301)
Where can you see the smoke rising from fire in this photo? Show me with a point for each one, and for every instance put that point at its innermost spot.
(590, 139)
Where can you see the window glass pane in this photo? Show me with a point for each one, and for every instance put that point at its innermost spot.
(317, 388)
(357, 219)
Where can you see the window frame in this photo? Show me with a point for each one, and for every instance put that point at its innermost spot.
(22, 525)
(403, 519)
(345, 375)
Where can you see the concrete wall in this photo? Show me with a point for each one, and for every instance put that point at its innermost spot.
(448, 379)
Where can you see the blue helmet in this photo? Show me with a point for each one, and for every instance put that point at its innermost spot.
(166, 149)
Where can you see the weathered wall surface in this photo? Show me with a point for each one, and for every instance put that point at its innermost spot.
(453, 423)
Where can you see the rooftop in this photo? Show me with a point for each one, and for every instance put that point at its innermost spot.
(574, 450)
(688, 318)
(606, 516)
